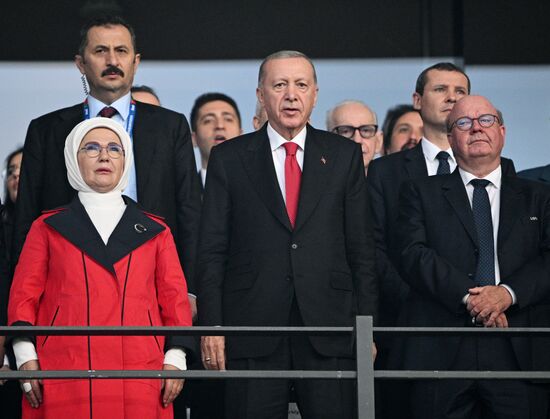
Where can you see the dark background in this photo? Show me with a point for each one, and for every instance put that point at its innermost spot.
(482, 31)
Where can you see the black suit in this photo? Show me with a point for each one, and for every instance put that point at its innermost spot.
(439, 257)
(255, 270)
(385, 177)
(167, 181)
(540, 174)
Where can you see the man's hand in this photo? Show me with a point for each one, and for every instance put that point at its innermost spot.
(213, 352)
(172, 386)
(374, 352)
(487, 303)
(34, 396)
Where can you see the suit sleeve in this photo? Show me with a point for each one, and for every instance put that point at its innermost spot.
(360, 239)
(531, 282)
(188, 202)
(422, 267)
(213, 245)
(28, 207)
(393, 290)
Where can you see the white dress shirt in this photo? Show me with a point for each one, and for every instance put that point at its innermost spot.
(278, 151)
(430, 151)
(122, 106)
(493, 190)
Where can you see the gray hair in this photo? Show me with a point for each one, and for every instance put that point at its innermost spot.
(330, 112)
(284, 54)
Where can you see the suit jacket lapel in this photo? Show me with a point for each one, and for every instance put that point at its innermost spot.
(415, 164)
(70, 118)
(133, 230)
(258, 163)
(318, 162)
(510, 209)
(455, 193)
(144, 146)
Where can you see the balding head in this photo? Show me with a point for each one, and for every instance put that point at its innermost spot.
(476, 146)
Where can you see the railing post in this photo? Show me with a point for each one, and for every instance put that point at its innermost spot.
(365, 368)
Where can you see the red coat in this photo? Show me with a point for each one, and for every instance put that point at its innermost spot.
(66, 276)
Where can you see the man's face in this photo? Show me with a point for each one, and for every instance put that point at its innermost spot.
(217, 121)
(442, 90)
(478, 144)
(356, 115)
(406, 133)
(288, 92)
(109, 60)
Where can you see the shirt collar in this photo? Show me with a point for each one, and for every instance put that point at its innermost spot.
(122, 105)
(276, 140)
(495, 177)
(430, 150)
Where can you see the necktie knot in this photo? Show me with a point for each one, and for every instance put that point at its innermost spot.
(107, 112)
(443, 155)
(290, 148)
(480, 183)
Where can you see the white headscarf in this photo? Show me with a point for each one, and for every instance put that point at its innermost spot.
(72, 146)
(104, 209)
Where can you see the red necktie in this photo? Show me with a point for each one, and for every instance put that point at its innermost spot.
(293, 175)
(107, 112)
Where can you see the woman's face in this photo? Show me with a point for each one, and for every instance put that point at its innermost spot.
(12, 180)
(407, 132)
(103, 171)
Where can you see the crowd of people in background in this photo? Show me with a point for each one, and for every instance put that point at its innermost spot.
(416, 220)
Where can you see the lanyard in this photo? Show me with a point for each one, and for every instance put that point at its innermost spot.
(129, 121)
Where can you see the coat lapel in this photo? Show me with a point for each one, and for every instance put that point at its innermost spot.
(455, 193)
(144, 146)
(415, 164)
(319, 160)
(134, 229)
(510, 209)
(258, 163)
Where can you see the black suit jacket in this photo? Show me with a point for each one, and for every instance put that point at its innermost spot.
(167, 181)
(385, 177)
(251, 262)
(439, 257)
(540, 174)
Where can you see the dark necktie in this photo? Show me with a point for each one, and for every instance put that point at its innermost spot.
(485, 271)
(443, 168)
(107, 112)
(293, 174)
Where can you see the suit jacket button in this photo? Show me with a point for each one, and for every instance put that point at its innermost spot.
(294, 246)
(470, 276)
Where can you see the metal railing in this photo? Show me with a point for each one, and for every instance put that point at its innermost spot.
(363, 333)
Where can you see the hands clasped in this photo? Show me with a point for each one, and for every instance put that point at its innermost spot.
(488, 304)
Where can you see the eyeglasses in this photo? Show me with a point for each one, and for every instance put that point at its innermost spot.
(365, 131)
(114, 150)
(466, 123)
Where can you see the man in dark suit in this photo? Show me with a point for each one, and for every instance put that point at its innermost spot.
(285, 240)
(475, 251)
(540, 174)
(164, 180)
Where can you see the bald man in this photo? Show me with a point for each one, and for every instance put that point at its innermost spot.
(355, 120)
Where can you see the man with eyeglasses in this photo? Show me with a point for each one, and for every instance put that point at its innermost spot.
(475, 252)
(355, 120)
(438, 88)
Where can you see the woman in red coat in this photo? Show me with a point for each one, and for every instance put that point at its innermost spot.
(100, 261)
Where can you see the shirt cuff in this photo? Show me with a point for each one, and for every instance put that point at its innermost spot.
(6, 361)
(465, 299)
(24, 351)
(176, 357)
(511, 291)
(190, 294)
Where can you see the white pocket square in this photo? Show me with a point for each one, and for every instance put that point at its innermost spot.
(533, 218)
